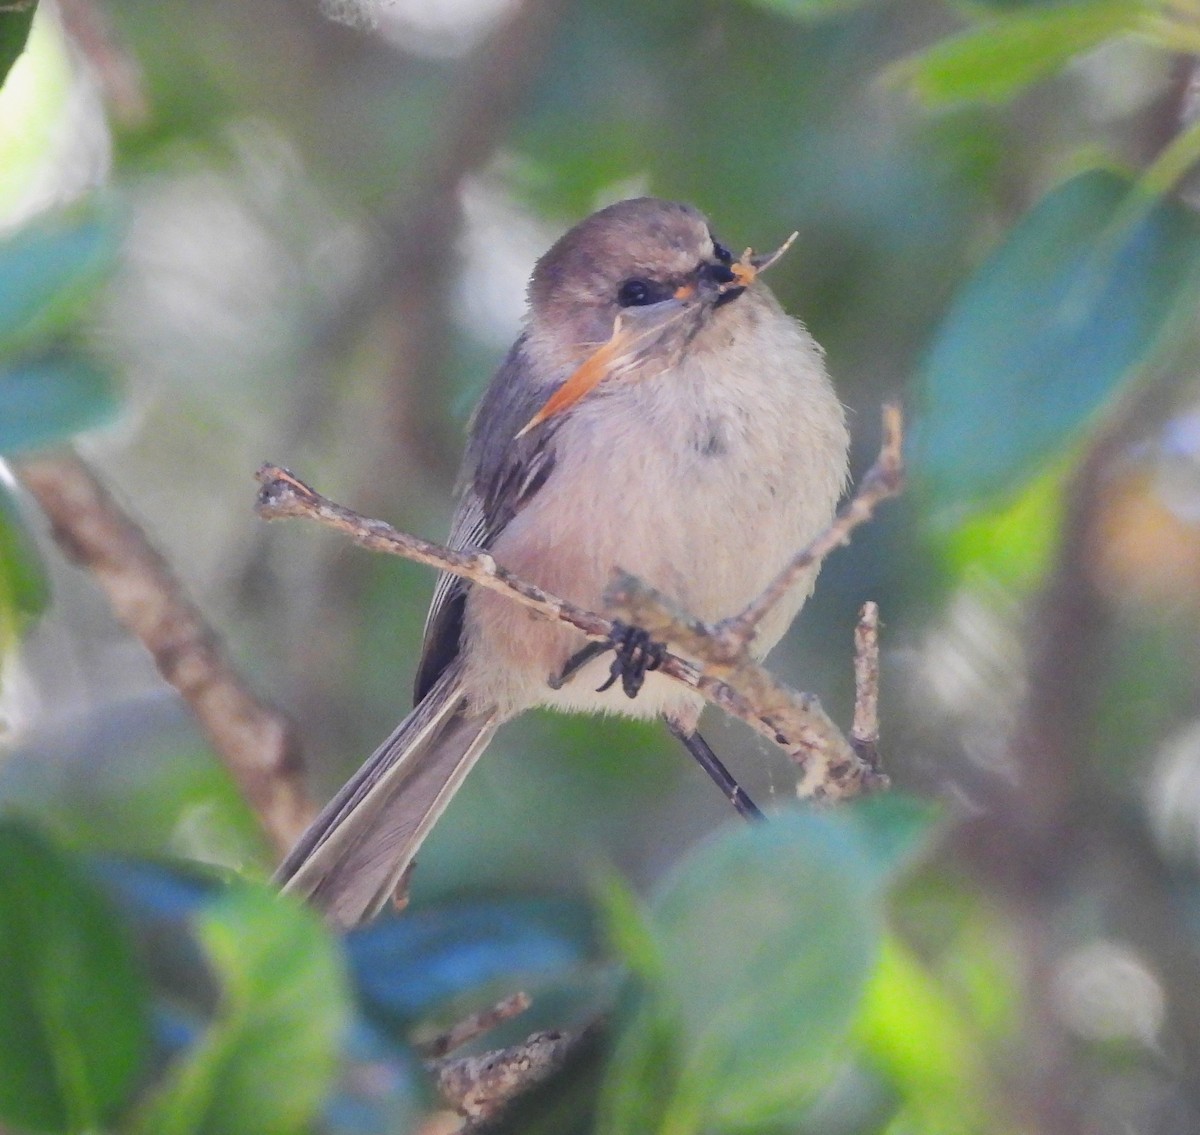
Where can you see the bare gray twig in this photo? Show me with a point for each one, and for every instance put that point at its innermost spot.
(724, 672)
(474, 1026)
(480, 1087)
(284, 495)
(744, 688)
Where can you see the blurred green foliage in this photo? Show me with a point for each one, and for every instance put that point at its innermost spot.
(72, 1012)
(1023, 274)
(1074, 302)
(762, 944)
(23, 589)
(759, 952)
(1005, 54)
(15, 22)
(268, 1059)
(50, 273)
(50, 386)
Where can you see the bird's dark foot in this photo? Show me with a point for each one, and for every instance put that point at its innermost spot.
(636, 655)
(577, 662)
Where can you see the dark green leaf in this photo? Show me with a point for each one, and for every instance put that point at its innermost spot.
(894, 829)
(153, 892)
(46, 398)
(49, 271)
(24, 590)
(408, 967)
(993, 62)
(643, 1065)
(269, 1059)
(1073, 301)
(14, 31)
(72, 1014)
(631, 935)
(767, 936)
(162, 901)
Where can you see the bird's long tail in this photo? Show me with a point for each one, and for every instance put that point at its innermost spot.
(354, 854)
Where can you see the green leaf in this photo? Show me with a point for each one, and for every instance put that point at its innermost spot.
(767, 937)
(72, 1004)
(993, 62)
(1065, 310)
(631, 936)
(408, 969)
(1012, 542)
(24, 591)
(894, 830)
(49, 271)
(913, 1031)
(47, 398)
(644, 1061)
(270, 1057)
(33, 102)
(14, 31)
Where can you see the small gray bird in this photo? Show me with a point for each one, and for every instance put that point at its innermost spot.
(659, 413)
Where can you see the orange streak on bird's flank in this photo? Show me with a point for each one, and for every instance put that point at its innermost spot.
(589, 375)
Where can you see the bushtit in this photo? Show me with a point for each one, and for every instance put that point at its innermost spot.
(659, 413)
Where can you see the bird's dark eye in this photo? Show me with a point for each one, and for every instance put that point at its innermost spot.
(721, 252)
(636, 293)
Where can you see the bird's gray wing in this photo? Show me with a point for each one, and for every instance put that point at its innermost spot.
(501, 473)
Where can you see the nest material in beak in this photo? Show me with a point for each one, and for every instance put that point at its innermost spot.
(747, 267)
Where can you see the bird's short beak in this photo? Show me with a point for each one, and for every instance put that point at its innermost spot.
(722, 281)
(715, 283)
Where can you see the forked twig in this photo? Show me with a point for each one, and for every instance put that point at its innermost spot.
(719, 666)
(476, 1025)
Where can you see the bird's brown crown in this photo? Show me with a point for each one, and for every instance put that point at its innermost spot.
(644, 240)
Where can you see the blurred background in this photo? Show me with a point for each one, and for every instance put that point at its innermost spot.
(322, 218)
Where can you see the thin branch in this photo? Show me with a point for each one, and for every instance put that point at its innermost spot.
(864, 732)
(480, 1087)
(734, 681)
(744, 688)
(283, 495)
(255, 742)
(792, 720)
(474, 1026)
(883, 480)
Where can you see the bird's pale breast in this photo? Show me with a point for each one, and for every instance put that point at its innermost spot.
(702, 481)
